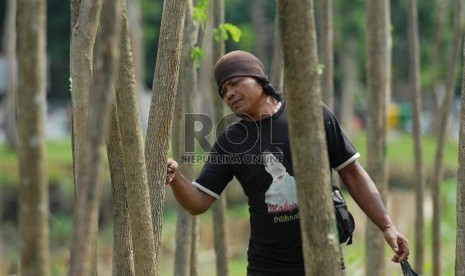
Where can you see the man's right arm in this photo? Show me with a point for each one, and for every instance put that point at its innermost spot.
(190, 198)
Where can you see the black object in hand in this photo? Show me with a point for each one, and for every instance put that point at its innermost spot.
(407, 269)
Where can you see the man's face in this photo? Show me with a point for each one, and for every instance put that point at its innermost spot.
(243, 95)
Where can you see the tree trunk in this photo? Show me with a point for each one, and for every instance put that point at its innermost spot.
(33, 190)
(460, 240)
(123, 257)
(444, 114)
(219, 207)
(309, 153)
(261, 26)
(350, 86)
(134, 160)
(137, 42)
(277, 66)
(195, 247)
(84, 24)
(96, 125)
(327, 52)
(415, 77)
(440, 52)
(378, 77)
(9, 44)
(162, 109)
(187, 86)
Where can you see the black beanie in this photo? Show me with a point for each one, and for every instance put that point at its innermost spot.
(238, 64)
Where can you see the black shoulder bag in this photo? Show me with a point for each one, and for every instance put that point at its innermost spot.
(344, 219)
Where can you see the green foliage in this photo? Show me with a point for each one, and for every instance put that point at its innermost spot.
(200, 17)
(199, 12)
(197, 54)
(227, 28)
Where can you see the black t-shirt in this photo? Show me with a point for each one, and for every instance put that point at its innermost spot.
(262, 166)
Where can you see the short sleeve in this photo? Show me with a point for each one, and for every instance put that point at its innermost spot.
(216, 173)
(341, 152)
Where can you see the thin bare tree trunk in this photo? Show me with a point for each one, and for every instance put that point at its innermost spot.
(349, 87)
(219, 207)
(440, 52)
(31, 101)
(327, 52)
(415, 77)
(260, 25)
(137, 188)
(460, 240)
(310, 162)
(444, 114)
(123, 258)
(187, 86)
(96, 127)
(9, 44)
(277, 66)
(195, 247)
(378, 77)
(137, 42)
(162, 109)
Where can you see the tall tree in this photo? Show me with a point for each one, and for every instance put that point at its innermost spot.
(460, 236)
(414, 68)
(162, 109)
(378, 78)
(261, 26)
(219, 207)
(123, 257)
(187, 86)
(442, 133)
(309, 158)
(9, 47)
(33, 189)
(94, 134)
(277, 68)
(327, 52)
(460, 239)
(350, 85)
(138, 195)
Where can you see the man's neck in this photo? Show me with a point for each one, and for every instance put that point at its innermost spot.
(269, 108)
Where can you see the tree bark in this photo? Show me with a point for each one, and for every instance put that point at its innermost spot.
(96, 126)
(9, 44)
(136, 27)
(415, 77)
(460, 240)
(277, 66)
(261, 26)
(444, 114)
(162, 109)
(309, 153)
(123, 257)
(187, 86)
(33, 190)
(378, 77)
(350, 85)
(138, 193)
(219, 207)
(327, 52)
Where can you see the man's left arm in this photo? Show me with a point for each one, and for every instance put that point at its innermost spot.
(366, 195)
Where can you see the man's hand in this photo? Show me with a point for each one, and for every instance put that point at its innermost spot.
(171, 170)
(398, 243)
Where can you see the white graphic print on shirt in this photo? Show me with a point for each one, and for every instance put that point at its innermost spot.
(282, 193)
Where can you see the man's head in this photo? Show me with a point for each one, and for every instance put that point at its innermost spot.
(243, 64)
(238, 64)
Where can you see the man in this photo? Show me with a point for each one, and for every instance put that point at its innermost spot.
(275, 245)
